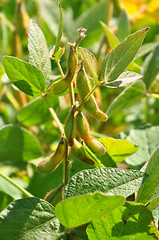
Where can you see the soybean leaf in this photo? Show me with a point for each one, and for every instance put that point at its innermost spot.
(147, 139)
(24, 76)
(146, 48)
(92, 156)
(131, 221)
(90, 20)
(57, 45)
(151, 67)
(29, 218)
(111, 38)
(4, 200)
(38, 50)
(36, 111)
(91, 62)
(125, 78)
(123, 26)
(18, 144)
(119, 58)
(107, 180)
(118, 149)
(149, 187)
(76, 211)
(129, 96)
(154, 203)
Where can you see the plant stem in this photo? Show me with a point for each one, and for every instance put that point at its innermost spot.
(88, 95)
(72, 96)
(66, 169)
(54, 115)
(60, 68)
(7, 22)
(155, 95)
(26, 193)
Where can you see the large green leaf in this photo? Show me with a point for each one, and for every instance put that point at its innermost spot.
(18, 144)
(129, 96)
(76, 211)
(149, 187)
(24, 76)
(38, 50)
(151, 67)
(90, 20)
(36, 111)
(118, 149)
(29, 218)
(125, 78)
(120, 57)
(131, 221)
(147, 139)
(106, 180)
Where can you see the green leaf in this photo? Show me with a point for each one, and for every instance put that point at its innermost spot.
(123, 26)
(57, 45)
(76, 211)
(18, 144)
(111, 38)
(36, 111)
(90, 20)
(38, 50)
(92, 156)
(147, 139)
(107, 180)
(131, 221)
(91, 62)
(29, 218)
(4, 200)
(24, 76)
(154, 203)
(151, 67)
(125, 78)
(129, 96)
(119, 58)
(58, 54)
(118, 149)
(146, 48)
(148, 189)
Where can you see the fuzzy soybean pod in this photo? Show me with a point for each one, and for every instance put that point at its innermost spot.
(84, 87)
(60, 86)
(78, 152)
(70, 127)
(83, 130)
(53, 161)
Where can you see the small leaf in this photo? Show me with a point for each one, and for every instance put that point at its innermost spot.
(91, 62)
(147, 139)
(119, 58)
(125, 78)
(129, 96)
(107, 180)
(76, 211)
(57, 45)
(151, 67)
(148, 189)
(36, 111)
(131, 221)
(24, 76)
(123, 26)
(92, 156)
(118, 149)
(112, 39)
(18, 144)
(59, 54)
(38, 50)
(29, 218)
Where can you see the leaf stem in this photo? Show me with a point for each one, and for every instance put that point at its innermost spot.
(153, 95)
(7, 22)
(26, 193)
(72, 96)
(88, 95)
(60, 68)
(54, 115)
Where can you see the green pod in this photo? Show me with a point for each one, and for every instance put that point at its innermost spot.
(60, 86)
(96, 147)
(53, 161)
(79, 153)
(54, 196)
(82, 125)
(84, 87)
(70, 127)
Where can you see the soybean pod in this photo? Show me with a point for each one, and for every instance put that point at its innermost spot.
(70, 127)
(84, 87)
